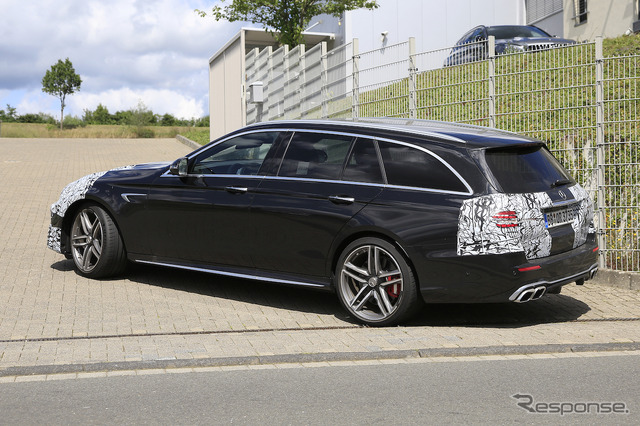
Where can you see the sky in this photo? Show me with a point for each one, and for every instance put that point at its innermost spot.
(126, 51)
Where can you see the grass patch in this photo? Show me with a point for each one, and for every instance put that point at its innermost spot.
(551, 96)
(93, 131)
(197, 134)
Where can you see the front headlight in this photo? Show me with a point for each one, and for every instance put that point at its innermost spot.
(509, 48)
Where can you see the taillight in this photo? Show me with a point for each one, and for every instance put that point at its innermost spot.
(506, 219)
(530, 268)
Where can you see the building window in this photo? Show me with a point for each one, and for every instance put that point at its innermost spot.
(537, 10)
(581, 11)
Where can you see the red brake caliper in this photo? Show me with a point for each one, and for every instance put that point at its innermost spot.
(393, 290)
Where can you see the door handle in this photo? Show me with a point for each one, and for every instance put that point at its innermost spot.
(236, 189)
(338, 199)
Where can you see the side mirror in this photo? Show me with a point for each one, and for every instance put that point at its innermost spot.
(179, 167)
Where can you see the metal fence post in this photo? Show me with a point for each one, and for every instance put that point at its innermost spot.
(325, 80)
(302, 80)
(491, 47)
(355, 104)
(266, 114)
(287, 81)
(413, 71)
(600, 148)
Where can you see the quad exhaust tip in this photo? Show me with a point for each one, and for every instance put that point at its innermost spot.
(536, 291)
(529, 294)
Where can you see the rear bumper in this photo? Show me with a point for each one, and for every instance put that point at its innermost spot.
(508, 277)
(536, 290)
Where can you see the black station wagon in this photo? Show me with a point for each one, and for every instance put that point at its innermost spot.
(387, 213)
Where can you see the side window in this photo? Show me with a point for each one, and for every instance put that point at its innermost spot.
(465, 38)
(241, 155)
(477, 35)
(315, 155)
(363, 164)
(408, 166)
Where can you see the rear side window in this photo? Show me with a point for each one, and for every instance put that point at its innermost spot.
(316, 156)
(363, 164)
(526, 169)
(408, 166)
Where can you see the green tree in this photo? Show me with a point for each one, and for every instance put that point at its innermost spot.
(101, 115)
(87, 117)
(10, 115)
(141, 117)
(202, 122)
(168, 120)
(61, 80)
(288, 18)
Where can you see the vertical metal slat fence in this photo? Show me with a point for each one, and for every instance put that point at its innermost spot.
(583, 105)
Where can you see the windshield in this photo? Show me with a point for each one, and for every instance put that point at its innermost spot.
(513, 31)
(526, 169)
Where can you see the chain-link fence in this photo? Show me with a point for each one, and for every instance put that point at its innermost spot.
(583, 105)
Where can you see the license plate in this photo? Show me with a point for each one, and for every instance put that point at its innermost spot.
(561, 216)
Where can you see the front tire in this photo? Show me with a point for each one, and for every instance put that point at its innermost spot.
(96, 247)
(375, 283)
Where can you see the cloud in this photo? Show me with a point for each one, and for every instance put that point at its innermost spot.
(160, 101)
(124, 51)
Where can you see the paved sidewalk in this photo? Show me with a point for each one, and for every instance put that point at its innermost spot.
(53, 320)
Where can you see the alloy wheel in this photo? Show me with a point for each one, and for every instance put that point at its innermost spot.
(86, 240)
(371, 283)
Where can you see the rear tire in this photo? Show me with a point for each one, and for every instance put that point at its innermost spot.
(375, 283)
(97, 249)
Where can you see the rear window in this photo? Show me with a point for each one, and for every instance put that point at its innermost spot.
(526, 169)
(407, 166)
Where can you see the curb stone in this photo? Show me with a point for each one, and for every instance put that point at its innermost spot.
(624, 280)
(317, 357)
(188, 142)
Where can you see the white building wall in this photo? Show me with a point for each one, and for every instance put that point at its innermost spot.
(226, 89)
(435, 24)
(606, 18)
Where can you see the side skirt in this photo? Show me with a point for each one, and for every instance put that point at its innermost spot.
(267, 277)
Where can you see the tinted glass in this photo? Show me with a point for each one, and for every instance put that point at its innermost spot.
(363, 164)
(242, 155)
(476, 35)
(315, 155)
(514, 31)
(531, 169)
(407, 166)
(465, 38)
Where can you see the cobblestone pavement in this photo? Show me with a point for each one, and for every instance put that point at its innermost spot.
(52, 317)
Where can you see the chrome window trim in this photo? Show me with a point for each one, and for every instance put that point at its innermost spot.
(381, 185)
(167, 174)
(348, 134)
(348, 182)
(231, 274)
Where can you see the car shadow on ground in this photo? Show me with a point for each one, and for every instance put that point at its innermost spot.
(221, 287)
(550, 309)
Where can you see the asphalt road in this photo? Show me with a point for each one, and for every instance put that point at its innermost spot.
(448, 392)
